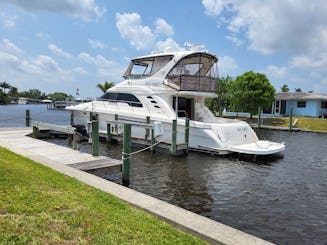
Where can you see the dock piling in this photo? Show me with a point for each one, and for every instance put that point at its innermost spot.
(28, 118)
(147, 130)
(173, 148)
(95, 138)
(259, 117)
(187, 132)
(126, 153)
(291, 119)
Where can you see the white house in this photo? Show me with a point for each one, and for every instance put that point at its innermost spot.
(303, 104)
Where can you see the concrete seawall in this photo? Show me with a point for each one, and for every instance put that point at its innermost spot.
(15, 139)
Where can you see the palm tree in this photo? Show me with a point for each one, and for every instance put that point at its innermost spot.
(105, 86)
(285, 88)
(5, 86)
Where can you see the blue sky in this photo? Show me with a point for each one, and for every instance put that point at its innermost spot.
(62, 45)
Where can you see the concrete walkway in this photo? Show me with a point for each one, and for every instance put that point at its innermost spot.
(51, 155)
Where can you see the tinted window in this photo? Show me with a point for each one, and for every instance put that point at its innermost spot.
(122, 97)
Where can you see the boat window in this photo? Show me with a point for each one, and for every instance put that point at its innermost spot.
(195, 72)
(122, 97)
(145, 67)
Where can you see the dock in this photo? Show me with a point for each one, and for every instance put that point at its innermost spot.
(69, 162)
(98, 165)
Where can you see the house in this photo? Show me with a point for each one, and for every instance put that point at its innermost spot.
(303, 104)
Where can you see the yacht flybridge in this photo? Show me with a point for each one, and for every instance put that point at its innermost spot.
(174, 85)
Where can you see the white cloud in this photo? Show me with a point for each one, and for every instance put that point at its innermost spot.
(79, 70)
(58, 51)
(46, 63)
(162, 27)
(8, 21)
(295, 29)
(96, 44)
(106, 69)
(130, 28)
(273, 26)
(277, 72)
(215, 7)
(84, 9)
(169, 44)
(234, 39)
(9, 46)
(227, 66)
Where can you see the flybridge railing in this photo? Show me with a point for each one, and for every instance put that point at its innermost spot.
(192, 83)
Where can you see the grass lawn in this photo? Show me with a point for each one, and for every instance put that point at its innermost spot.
(41, 206)
(306, 123)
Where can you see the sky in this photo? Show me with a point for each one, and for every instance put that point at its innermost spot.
(65, 45)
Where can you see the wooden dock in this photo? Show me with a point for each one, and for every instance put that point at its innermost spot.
(19, 138)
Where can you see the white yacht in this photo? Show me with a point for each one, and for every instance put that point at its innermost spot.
(174, 85)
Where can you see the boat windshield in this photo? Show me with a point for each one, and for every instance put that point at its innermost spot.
(195, 72)
(145, 67)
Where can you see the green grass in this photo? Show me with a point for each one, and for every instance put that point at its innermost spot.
(41, 206)
(306, 123)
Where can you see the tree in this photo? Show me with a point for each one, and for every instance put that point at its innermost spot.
(285, 88)
(298, 90)
(219, 103)
(251, 90)
(58, 96)
(13, 92)
(5, 86)
(105, 86)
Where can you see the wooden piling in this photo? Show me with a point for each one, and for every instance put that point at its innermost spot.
(126, 153)
(153, 141)
(109, 136)
(291, 119)
(173, 148)
(75, 146)
(187, 132)
(28, 118)
(95, 138)
(147, 130)
(72, 118)
(259, 117)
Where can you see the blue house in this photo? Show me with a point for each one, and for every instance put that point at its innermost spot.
(303, 104)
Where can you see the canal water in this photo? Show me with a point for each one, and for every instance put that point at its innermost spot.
(280, 198)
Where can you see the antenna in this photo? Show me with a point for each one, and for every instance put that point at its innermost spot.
(194, 46)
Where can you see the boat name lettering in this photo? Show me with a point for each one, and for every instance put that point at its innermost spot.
(242, 129)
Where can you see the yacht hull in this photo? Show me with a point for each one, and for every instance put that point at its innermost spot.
(216, 138)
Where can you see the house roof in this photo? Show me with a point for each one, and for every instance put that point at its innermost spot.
(300, 96)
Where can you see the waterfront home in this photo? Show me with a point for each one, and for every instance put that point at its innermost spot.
(303, 104)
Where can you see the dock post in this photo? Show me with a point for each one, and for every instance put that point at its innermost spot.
(75, 147)
(259, 117)
(126, 153)
(95, 138)
(28, 118)
(71, 118)
(116, 126)
(187, 133)
(36, 132)
(173, 148)
(291, 119)
(153, 141)
(147, 130)
(109, 137)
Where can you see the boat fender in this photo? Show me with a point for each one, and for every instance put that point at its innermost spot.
(158, 129)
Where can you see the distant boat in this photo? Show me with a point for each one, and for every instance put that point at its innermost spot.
(174, 85)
